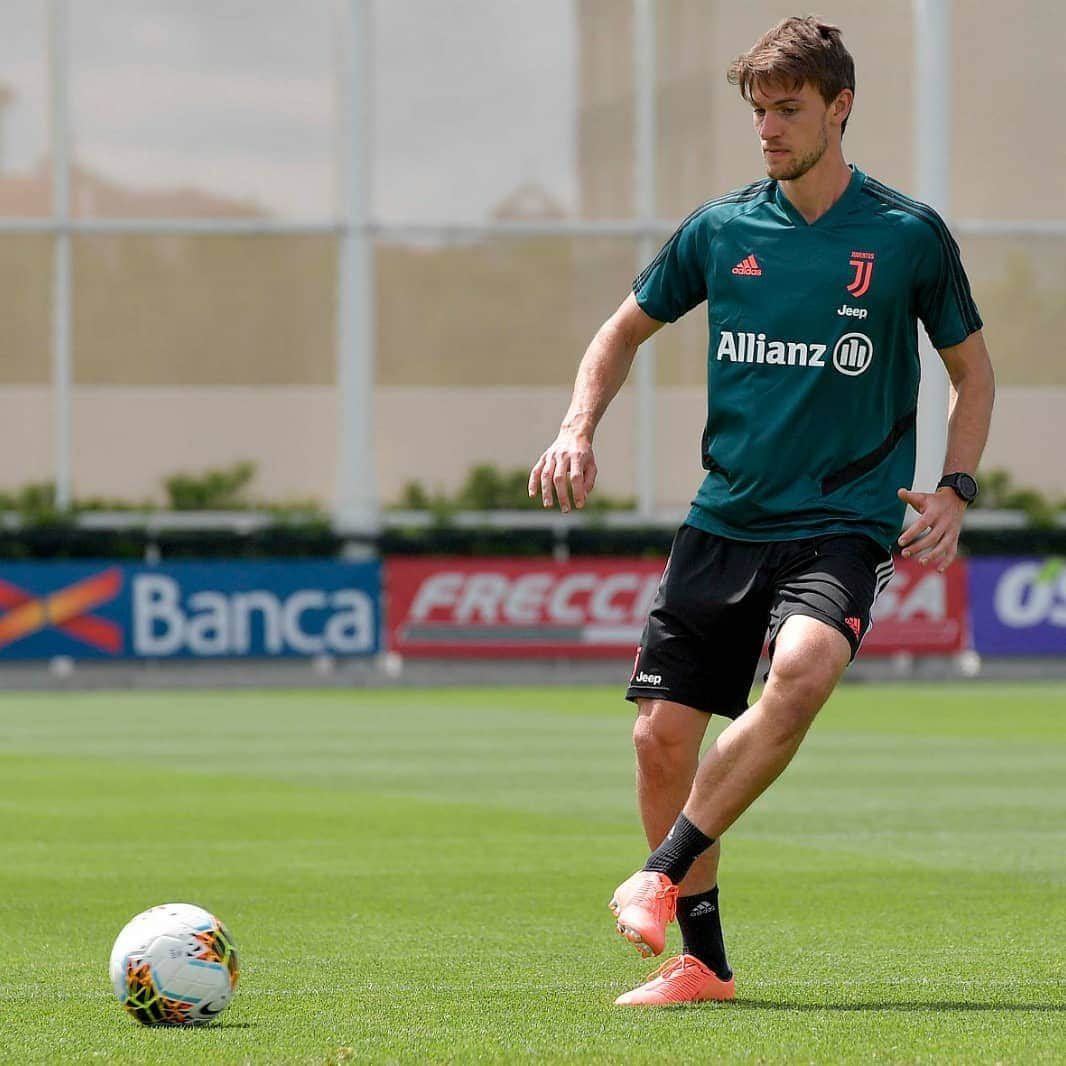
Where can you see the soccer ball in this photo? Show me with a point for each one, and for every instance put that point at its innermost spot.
(174, 965)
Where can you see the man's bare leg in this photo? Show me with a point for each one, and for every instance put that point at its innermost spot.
(749, 754)
(809, 657)
(667, 738)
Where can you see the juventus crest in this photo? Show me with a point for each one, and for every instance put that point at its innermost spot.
(863, 262)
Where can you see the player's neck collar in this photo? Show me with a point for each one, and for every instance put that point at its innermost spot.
(839, 207)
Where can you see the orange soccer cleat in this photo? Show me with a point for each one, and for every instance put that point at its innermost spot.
(682, 979)
(645, 905)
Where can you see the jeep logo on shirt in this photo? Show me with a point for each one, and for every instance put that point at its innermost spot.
(853, 354)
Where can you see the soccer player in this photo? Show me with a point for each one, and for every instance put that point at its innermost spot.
(814, 279)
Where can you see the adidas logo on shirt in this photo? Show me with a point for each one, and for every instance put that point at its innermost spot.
(748, 266)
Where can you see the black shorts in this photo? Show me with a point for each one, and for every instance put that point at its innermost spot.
(718, 598)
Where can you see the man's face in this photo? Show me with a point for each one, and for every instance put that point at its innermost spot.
(793, 128)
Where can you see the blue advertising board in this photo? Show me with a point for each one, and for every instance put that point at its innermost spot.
(1018, 606)
(104, 610)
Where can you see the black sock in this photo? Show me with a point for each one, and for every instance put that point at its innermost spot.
(701, 931)
(683, 845)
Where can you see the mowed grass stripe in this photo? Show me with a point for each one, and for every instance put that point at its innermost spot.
(430, 913)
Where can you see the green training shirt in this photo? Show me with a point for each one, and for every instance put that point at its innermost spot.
(812, 361)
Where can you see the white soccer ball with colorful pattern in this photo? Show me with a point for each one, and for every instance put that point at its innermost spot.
(174, 965)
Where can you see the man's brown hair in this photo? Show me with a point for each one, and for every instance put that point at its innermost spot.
(795, 51)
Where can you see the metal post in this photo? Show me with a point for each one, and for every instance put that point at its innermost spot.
(644, 92)
(932, 124)
(62, 362)
(356, 506)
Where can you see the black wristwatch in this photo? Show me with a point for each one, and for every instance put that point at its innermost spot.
(964, 486)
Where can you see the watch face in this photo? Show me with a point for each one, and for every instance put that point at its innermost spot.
(966, 486)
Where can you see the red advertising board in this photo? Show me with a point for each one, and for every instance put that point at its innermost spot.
(921, 612)
(515, 608)
(518, 607)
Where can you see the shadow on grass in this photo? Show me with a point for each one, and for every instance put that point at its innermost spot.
(209, 1027)
(932, 1006)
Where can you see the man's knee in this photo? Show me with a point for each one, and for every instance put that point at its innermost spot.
(665, 742)
(802, 683)
(809, 658)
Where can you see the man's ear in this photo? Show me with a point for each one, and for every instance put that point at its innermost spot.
(841, 106)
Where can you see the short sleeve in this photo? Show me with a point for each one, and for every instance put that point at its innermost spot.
(943, 299)
(675, 281)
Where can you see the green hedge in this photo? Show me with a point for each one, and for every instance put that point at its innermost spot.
(62, 541)
(301, 529)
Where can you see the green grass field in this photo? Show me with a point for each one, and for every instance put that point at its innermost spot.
(422, 876)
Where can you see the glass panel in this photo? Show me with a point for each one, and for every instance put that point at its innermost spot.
(26, 407)
(25, 179)
(1018, 284)
(274, 445)
(502, 108)
(25, 309)
(706, 145)
(478, 345)
(495, 312)
(180, 310)
(681, 351)
(1009, 68)
(688, 80)
(606, 111)
(203, 109)
(198, 353)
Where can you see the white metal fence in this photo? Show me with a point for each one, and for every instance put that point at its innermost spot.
(357, 228)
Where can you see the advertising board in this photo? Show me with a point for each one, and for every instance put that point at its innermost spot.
(921, 612)
(1018, 606)
(518, 607)
(596, 608)
(104, 610)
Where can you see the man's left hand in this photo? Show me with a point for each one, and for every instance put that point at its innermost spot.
(934, 538)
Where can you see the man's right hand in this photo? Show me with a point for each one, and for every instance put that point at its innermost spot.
(568, 461)
(569, 466)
